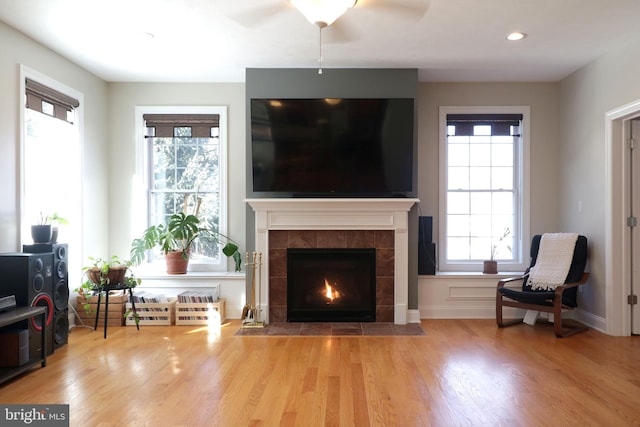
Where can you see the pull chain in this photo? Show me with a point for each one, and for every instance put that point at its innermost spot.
(320, 56)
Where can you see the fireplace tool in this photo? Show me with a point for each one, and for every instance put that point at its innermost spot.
(251, 315)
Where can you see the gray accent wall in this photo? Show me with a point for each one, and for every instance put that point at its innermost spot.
(333, 83)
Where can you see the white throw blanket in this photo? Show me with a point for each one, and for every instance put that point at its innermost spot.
(553, 262)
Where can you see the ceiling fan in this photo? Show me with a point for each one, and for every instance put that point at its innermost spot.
(325, 13)
(252, 15)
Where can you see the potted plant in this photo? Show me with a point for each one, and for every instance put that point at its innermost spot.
(102, 272)
(45, 231)
(175, 240)
(490, 266)
(41, 231)
(56, 220)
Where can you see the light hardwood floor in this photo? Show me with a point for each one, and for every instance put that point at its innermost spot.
(462, 373)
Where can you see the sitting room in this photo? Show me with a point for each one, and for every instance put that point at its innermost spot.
(349, 198)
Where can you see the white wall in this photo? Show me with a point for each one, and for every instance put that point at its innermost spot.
(543, 100)
(473, 296)
(585, 97)
(18, 49)
(123, 98)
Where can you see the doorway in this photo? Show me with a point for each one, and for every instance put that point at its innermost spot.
(618, 251)
(632, 128)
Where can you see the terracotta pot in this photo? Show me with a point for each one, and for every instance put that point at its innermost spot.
(115, 275)
(176, 263)
(490, 267)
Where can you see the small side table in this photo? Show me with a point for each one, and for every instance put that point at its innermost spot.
(107, 289)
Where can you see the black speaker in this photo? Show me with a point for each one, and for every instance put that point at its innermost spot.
(426, 247)
(60, 288)
(30, 278)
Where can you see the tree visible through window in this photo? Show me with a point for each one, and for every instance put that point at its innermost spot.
(483, 197)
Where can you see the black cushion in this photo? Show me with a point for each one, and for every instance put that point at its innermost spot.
(544, 297)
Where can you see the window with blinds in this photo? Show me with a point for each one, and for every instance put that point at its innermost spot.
(482, 192)
(51, 102)
(185, 171)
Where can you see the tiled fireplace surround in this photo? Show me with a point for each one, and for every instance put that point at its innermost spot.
(333, 223)
(280, 240)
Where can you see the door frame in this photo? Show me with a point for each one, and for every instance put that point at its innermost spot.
(617, 238)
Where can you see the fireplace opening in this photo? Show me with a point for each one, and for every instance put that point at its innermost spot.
(331, 285)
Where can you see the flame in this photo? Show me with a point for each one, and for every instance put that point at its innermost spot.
(330, 292)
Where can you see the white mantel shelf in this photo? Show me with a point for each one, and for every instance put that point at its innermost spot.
(336, 214)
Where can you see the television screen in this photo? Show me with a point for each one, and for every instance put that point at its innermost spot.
(333, 147)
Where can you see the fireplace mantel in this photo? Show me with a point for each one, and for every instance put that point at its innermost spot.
(335, 214)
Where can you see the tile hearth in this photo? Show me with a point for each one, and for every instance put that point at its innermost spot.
(334, 329)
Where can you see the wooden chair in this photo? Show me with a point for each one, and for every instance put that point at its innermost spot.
(564, 297)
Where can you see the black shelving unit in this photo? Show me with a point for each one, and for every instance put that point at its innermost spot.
(19, 314)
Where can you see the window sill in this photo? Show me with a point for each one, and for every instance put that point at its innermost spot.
(191, 275)
(470, 275)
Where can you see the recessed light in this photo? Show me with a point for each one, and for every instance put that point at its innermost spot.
(515, 36)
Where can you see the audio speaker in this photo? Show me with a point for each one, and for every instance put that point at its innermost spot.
(30, 278)
(426, 247)
(60, 288)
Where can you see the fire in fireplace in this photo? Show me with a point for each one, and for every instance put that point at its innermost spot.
(331, 285)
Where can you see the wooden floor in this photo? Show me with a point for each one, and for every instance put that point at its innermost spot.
(461, 373)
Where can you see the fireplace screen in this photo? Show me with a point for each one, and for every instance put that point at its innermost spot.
(331, 285)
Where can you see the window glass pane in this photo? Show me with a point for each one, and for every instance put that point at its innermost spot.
(458, 140)
(480, 225)
(458, 225)
(502, 203)
(182, 131)
(458, 155)
(502, 178)
(480, 155)
(482, 130)
(480, 248)
(458, 248)
(458, 203)
(479, 178)
(458, 178)
(502, 154)
(480, 139)
(480, 203)
(48, 108)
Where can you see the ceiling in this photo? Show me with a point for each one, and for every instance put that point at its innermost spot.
(216, 40)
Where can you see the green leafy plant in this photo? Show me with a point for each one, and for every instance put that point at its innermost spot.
(54, 218)
(179, 234)
(103, 272)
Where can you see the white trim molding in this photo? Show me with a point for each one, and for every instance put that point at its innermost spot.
(336, 214)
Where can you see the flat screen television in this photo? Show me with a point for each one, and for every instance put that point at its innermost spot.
(333, 147)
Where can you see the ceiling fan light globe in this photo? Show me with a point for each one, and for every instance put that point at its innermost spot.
(323, 12)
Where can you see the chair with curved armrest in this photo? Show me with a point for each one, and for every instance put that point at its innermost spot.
(563, 297)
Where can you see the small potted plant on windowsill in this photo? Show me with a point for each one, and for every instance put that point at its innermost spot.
(175, 240)
(490, 266)
(46, 229)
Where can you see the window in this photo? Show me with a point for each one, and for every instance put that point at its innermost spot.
(484, 196)
(184, 168)
(51, 165)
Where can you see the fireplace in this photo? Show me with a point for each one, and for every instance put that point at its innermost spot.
(331, 284)
(322, 223)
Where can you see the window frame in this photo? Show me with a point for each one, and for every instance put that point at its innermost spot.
(522, 232)
(143, 173)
